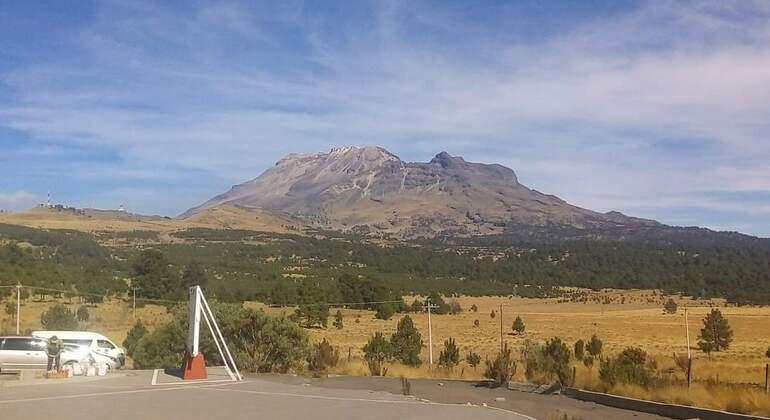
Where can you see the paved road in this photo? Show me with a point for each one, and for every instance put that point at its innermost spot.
(132, 396)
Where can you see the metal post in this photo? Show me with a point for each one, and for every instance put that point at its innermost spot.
(430, 334)
(767, 378)
(501, 328)
(689, 372)
(687, 330)
(18, 307)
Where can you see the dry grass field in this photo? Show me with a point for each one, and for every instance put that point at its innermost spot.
(730, 380)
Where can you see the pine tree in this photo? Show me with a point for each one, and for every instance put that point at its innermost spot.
(716, 334)
(579, 349)
(670, 307)
(450, 355)
(406, 342)
(518, 326)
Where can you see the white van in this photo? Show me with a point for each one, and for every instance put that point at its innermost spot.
(96, 342)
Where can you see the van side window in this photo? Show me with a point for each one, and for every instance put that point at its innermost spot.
(24, 344)
(104, 344)
(85, 343)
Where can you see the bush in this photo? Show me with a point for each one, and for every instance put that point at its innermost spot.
(670, 306)
(579, 349)
(132, 339)
(551, 359)
(518, 326)
(450, 355)
(311, 315)
(258, 342)
(377, 352)
(267, 344)
(323, 357)
(385, 311)
(492, 314)
(473, 359)
(474, 308)
(161, 349)
(338, 320)
(417, 306)
(476, 323)
(59, 318)
(629, 367)
(454, 307)
(594, 346)
(406, 342)
(502, 368)
(82, 314)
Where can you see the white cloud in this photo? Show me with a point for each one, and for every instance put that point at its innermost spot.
(578, 112)
(18, 200)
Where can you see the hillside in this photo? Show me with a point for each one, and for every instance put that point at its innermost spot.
(370, 190)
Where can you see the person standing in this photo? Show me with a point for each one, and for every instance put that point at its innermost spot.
(54, 349)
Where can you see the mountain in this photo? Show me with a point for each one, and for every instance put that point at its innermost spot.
(370, 190)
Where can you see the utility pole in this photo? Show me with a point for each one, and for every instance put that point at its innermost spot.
(687, 331)
(18, 307)
(428, 307)
(501, 328)
(689, 357)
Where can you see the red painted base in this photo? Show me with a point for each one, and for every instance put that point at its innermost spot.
(193, 367)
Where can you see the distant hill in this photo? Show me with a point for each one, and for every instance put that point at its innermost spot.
(370, 190)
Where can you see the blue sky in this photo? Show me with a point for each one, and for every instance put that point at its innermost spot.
(657, 109)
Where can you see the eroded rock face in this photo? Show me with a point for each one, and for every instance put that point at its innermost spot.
(370, 189)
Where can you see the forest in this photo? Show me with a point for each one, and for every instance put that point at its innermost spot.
(242, 265)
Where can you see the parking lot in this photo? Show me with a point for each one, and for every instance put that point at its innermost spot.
(156, 395)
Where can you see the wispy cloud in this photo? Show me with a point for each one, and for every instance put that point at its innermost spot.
(634, 110)
(18, 200)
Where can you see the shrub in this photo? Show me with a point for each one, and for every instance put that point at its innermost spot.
(502, 368)
(454, 307)
(322, 357)
(450, 355)
(406, 342)
(59, 318)
(594, 346)
(258, 342)
(476, 323)
(492, 314)
(82, 314)
(417, 305)
(266, 344)
(474, 308)
(10, 309)
(629, 367)
(377, 352)
(132, 339)
(161, 349)
(436, 299)
(518, 326)
(311, 315)
(670, 306)
(473, 359)
(385, 311)
(579, 349)
(551, 359)
(338, 320)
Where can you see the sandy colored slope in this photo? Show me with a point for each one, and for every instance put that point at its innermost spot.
(87, 220)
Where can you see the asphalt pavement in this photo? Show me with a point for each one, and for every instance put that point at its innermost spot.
(132, 395)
